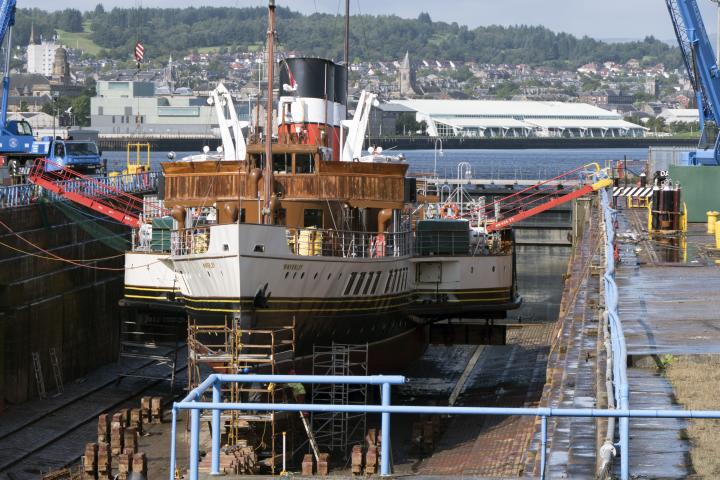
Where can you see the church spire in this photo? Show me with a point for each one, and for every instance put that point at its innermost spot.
(406, 60)
(32, 34)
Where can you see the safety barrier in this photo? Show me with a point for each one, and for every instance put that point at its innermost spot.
(215, 383)
(617, 336)
(13, 196)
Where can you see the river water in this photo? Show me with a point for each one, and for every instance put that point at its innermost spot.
(539, 268)
(520, 164)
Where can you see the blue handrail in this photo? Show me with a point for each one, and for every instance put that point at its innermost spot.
(617, 336)
(13, 196)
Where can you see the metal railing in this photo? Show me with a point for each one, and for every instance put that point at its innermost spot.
(348, 244)
(215, 382)
(621, 387)
(190, 241)
(308, 242)
(13, 196)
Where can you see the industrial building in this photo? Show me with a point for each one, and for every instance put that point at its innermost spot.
(680, 115)
(129, 107)
(483, 118)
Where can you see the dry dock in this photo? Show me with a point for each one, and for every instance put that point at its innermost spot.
(668, 308)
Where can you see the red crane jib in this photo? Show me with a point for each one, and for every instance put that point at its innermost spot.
(506, 222)
(91, 193)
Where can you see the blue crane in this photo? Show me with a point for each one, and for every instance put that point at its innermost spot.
(702, 69)
(16, 136)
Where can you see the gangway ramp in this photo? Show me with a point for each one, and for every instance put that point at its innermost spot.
(538, 198)
(87, 191)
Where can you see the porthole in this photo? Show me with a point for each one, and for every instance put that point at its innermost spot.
(286, 274)
(295, 274)
(493, 269)
(315, 276)
(472, 269)
(302, 275)
(329, 275)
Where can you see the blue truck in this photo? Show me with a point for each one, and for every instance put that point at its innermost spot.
(83, 156)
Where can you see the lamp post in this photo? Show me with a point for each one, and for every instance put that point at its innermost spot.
(55, 96)
(438, 139)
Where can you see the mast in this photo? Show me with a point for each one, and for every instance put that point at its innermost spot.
(267, 214)
(347, 44)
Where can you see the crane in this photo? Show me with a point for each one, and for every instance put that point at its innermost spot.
(16, 136)
(702, 69)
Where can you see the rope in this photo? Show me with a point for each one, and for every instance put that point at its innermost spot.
(70, 261)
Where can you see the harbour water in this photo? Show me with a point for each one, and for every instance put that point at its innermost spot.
(520, 164)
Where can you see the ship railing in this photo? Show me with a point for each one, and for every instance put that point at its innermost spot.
(443, 244)
(190, 241)
(13, 196)
(348, 244)
(148, 239)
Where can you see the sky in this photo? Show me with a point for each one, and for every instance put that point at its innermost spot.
(606, 19)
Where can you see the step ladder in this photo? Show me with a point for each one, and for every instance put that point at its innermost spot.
(39, 379)
(311, 437)
(57, 372)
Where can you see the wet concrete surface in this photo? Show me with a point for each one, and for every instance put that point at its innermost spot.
(657, 449)
(508, 375)
(666, 308)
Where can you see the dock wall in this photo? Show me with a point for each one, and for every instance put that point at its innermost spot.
(46, 303)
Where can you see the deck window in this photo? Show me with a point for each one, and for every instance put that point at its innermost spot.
(304, 163)
(257, 161)
(313, 217)
(282, 162)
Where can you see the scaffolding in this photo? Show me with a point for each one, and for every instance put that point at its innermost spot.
(154, 339)
(338, 432)
(229, 348)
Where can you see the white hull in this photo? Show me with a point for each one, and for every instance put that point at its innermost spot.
(249, 271)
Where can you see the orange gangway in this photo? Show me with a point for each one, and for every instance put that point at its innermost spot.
(539, 198)
(87, 191)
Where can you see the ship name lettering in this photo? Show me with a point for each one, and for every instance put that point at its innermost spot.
(293, 267)
(208, 265)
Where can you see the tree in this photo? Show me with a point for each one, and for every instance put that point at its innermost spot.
(70, 20)
(407, 124)
(81, 110)
(99, 10)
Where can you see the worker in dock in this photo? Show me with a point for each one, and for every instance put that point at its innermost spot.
(298, 390)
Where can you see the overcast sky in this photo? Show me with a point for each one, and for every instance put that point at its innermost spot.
(606, 19)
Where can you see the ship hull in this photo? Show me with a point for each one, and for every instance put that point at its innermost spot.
(328, 299)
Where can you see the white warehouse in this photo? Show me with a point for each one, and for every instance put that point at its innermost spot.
(493, 118)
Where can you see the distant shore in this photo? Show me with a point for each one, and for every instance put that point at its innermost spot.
(190, 143)
(457, 143)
